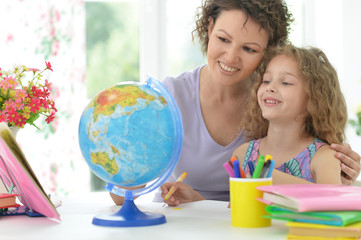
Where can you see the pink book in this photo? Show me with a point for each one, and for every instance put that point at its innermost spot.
(14, 169)
(313, 197)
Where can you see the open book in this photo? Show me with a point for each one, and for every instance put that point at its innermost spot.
(18, 177)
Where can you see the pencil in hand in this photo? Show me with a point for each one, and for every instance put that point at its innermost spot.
(174, 188)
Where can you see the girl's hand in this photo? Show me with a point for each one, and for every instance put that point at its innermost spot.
(183, 194)
(350, 162)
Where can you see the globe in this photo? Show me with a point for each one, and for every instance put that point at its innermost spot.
(130, 135)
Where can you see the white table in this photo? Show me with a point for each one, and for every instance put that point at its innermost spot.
(198, 220)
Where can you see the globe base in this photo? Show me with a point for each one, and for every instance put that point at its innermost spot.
(129, 216)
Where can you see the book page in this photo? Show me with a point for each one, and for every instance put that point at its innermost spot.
(2, 187)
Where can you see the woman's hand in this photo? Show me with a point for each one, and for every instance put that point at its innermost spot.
(350, 162)
(183, 194)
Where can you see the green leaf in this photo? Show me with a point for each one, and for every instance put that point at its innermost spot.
(358, 131)
(352, 122)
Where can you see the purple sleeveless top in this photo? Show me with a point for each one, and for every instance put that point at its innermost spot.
(201, 157)
(298, 166)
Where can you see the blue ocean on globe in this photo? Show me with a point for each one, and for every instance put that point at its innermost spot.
(127, 134)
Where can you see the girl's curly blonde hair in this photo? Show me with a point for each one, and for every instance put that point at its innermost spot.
(273, 16)
(326, 117)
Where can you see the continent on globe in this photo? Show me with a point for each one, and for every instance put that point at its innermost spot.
(102, 159)
(122, 95)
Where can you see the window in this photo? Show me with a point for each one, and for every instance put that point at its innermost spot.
(112, 49)
(166, 42)
(112, 43)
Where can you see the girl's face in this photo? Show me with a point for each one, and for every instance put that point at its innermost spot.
(282, 95)
(235, 48)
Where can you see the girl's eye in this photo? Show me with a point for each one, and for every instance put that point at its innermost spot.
(223, 39)
(286, 83)
(248, 49)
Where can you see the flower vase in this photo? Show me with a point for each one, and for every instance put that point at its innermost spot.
(14, 131)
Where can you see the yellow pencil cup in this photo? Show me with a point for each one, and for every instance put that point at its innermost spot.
(246, 210)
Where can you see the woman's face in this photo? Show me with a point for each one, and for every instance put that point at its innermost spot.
(235, 48)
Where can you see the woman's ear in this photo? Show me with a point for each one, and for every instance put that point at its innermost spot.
(211, 26)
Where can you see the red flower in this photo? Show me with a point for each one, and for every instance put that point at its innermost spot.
(50, 117)
(2, 117)
(48, 66)
(36, 91)
(13, 116)
(21, 121)
(34, 105)
(34, 70)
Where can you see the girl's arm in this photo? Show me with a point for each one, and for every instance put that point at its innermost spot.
(325, 167)
(279, 177)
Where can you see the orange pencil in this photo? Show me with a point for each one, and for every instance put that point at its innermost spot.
(243, 174)
(173, 188)
(234, 158)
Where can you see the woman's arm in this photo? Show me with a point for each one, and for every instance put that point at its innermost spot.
(350, 165)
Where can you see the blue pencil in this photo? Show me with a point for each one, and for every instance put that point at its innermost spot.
(237, 173)
(271, 168)
(251, 167)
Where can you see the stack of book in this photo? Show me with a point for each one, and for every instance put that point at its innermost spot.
(315, 211)
(7, 200)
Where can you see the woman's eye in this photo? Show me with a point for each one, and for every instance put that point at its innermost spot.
(248, 49)
(223, 39)
(266, 82)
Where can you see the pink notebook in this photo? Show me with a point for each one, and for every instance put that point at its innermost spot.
(313, 197)
(15, 169)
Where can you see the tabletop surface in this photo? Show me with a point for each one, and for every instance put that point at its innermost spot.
(198, 220)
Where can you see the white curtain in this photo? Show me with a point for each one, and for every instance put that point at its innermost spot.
(32, 32)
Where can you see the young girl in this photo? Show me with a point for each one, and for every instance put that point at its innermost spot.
(297, 110)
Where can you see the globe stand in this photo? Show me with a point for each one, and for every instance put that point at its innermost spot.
(129, 216)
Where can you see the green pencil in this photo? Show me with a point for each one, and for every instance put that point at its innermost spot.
(259, 166)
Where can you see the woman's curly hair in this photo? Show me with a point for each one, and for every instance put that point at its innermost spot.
(272, 15)
(326, 115)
